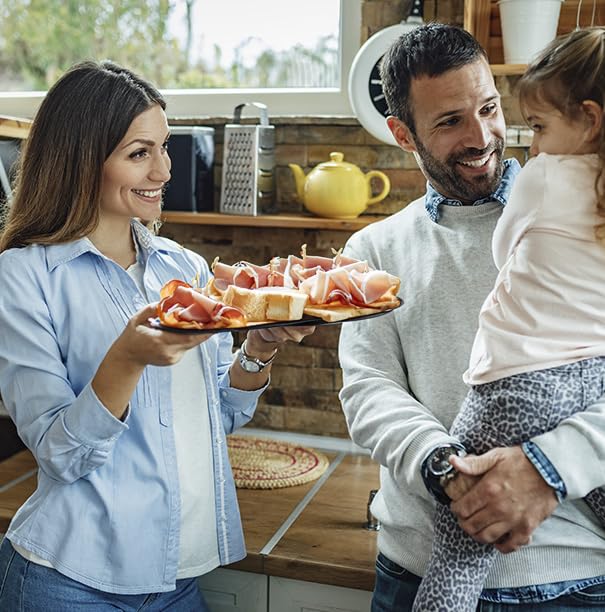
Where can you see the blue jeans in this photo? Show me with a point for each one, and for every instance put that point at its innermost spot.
(29, 587)
(396, 588)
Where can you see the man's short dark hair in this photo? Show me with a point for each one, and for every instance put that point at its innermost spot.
(428, 50)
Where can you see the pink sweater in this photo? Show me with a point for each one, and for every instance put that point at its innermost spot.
(547, 307)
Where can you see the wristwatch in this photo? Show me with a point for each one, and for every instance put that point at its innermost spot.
(250, 364)
(437, 471)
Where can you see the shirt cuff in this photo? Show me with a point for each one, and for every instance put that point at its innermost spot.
(546, 469)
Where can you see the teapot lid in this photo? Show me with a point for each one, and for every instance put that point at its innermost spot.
(336, 161)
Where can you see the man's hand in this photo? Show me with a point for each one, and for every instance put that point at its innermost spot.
(507, 504)
(460, 485)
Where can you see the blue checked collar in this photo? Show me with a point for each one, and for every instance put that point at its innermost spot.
(433, 199)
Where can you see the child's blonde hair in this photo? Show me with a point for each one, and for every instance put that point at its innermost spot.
(569, 71)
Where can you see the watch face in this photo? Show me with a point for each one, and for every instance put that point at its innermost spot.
(249, 364)
(439, 463)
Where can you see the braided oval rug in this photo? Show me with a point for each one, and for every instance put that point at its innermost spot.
(260, 463)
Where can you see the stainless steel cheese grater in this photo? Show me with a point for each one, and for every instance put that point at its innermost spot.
(248, 164)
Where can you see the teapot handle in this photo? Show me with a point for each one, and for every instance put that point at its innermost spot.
(386, 186)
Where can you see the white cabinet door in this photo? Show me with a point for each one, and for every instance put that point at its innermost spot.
(287, 595)
(234, 591)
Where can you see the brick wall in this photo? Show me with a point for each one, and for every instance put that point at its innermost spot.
(303, 396)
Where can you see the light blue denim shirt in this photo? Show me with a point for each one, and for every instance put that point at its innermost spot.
(106, 510)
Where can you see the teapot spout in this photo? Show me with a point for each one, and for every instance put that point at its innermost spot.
(299, 179)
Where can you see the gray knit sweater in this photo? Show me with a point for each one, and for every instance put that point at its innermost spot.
(403, 387)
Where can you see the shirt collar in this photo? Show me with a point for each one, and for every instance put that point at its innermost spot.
(433, 199)
(58, 254)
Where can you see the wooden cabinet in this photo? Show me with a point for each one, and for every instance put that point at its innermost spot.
(234, 591)
(228, 590)
(286, 595)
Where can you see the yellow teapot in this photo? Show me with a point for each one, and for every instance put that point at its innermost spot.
(338, 189)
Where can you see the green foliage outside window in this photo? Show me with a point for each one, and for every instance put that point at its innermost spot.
(40, 39)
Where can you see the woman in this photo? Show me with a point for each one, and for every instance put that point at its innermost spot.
(135, 495)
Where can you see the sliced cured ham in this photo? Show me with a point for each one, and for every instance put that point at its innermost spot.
(185, 307)
(246, 275)
(338, 282)
(352, 286)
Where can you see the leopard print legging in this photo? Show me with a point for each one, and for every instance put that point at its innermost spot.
(505, 412)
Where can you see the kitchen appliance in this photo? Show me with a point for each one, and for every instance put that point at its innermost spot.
(191, 186)
(9, 151)
(247, 186)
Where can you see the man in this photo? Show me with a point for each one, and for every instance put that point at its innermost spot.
(403, 373)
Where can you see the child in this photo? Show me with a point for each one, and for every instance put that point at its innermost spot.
(538, 354)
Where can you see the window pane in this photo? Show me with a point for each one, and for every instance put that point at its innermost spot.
(261, 43)
(178, 44)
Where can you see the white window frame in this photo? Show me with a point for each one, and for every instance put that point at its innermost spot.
(221, 102)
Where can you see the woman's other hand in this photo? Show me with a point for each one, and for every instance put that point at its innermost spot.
(263, 344)
(268, 339)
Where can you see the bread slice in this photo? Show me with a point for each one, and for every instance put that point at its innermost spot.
(267, 303)
(338, 313)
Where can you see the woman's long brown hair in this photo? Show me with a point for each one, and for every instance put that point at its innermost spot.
(568, 72)
(83, 117)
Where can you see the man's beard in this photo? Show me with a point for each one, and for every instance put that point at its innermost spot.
(446, 178)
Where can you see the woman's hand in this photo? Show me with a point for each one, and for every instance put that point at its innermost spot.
(143, 344)
(266, 341)
(263, 344)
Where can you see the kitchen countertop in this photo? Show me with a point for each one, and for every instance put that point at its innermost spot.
(312, 532)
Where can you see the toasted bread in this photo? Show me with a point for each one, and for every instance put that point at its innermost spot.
(267, 304)
(340, 312)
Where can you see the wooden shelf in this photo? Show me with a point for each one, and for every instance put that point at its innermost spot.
(507, 69)
(282, 221)
(14, 127)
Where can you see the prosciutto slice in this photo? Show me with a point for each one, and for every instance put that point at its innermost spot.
(247, 275)
(183, 306)
(353, 285)
(336, 282)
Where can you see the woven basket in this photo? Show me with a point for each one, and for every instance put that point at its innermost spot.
(260, 463)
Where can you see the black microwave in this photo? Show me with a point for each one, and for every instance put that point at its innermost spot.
(9, 152)
(191, 185)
